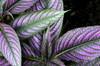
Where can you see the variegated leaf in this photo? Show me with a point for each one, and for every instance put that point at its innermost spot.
(17, 6)
(95, 62)
(30, 56)
(57, 62)
(46, 47)
(30, 24)
(35, 41)
(81, 44)
(3, 61)
(28, 51)
(10, 45)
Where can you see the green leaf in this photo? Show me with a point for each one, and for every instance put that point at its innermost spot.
(34, 22)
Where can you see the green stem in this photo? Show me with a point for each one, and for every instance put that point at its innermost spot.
(36, 60)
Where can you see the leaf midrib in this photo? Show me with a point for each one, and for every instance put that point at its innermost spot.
(8, 44)
(75, 47)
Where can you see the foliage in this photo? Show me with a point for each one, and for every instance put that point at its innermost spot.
(40, 23)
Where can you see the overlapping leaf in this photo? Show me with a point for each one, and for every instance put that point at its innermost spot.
(17, 6)
(31, 56)
(10, 45)
(95, 62)
(46, 48)
(36, 40)
(3, 61)
(30, 24)
(81, 44)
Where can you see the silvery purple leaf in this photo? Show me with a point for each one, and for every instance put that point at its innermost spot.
(57, 62)
(30, 63)
(46, 47)
(36, 41)
(55, 28)
(80, 44)
(10, 45)
(30, 24)
(28, 51)
(17, 6)
(31, 56)
(95, 62)
(3, 61)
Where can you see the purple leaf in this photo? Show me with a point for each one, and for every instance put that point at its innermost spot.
(46, 47)
(29, 52)
(30, 24)
(81, 44)
(57, 62)
(36, 40)
(56, 27)
(30, 63)
(3, 61)
(10, 45)
(17, 6)
(95, 62)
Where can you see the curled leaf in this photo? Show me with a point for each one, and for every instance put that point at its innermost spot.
(81, 44)
(10, 45)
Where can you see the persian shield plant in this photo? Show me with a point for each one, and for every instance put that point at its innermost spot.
(30, 29)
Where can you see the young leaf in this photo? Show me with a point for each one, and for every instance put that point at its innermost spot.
(3, 61)
(30, 24)
(95, 62)
(10, 45)
(46, 47)
(17, 6)
(81, 44)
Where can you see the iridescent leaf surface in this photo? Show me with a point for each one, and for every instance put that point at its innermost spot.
(81, 44)
(17, 6)
(95, 62)
(10, 45)
(30, 24)
(46, 47)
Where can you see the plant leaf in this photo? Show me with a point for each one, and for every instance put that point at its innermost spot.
(10, 45)
(95, 62)
(49, 4)
(17, 6)
(36, 40)
(31, 56)
(57, 62)
(81, 44)
(46, 47)
(28, 51)
(30, 24)
(3, 61)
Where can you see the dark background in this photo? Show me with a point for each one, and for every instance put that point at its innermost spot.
(83, 13)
